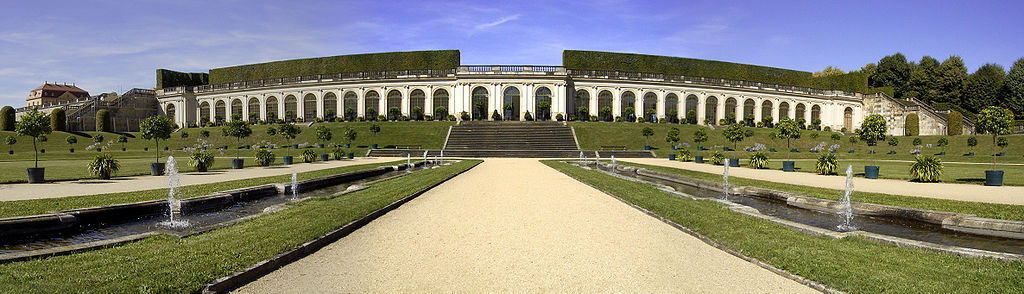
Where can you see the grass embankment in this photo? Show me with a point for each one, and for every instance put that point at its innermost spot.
(61, 164)
(965, 173)
(39, 206)
(168, 264)
(593, 135)
(989, 210)
(851, 264)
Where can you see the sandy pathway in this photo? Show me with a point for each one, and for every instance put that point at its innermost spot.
(515, 225)
(9, 192)
(963, 192)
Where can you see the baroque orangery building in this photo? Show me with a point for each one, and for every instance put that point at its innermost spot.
(421, 83)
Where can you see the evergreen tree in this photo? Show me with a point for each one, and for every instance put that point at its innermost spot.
(984, 87)
(952, 75)
(1014, 85)
(892, 71)
(923, 80)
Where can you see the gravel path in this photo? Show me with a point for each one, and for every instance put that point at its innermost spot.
(10, 192)
(962, 192)
(515, 225)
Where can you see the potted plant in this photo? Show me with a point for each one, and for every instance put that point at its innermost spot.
(684, 153)
(700, 136)
(647, 132)
(733, 133)
(787, 129)
(893, 142)
(42, 139)
(943, 142)
(200, 160)
(156, 128)
(717, 157)
(98, 138)
(374, 129)
(1002, 143)
(672, 137)
(971, 142)
(10, 141)
(123, 140)
(827, 164)
(324, 135)
(264, 157)
(239, 129)
(72, 140)
(872, 130)
(103, 166)
(34, 124)
(996, 121)
(349, 135)
(308, 156)
(337, 153)
(289, 132)
(926, 169)
(759, 160)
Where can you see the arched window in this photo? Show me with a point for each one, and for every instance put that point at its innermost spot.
(848, 119)
(309, 107)
(766, 113)
(480, 103)
(236, 109)
(291, 108)
(170, 111)
(350, 106)
(748, 112)
(542, 110)
(650, 110)
(800, 112)
(370, 104)
(510, 104)
(730, 110)
(441, 101)
(784, 111)
(417, 102)
(691, 109)
(204, 112)
(272, 112)
(628, 106)
(254, 109)
(711, 110)
(330, 106)
(672, 108)
(816, 116)
(605, 105)
(394, 103)
(222, 111)
(582, 103)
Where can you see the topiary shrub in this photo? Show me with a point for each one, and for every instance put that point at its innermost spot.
(917, 142)
(7, 119)
(102, 120)
(827, 164)
(955, 123)
(264, 157)
(58, 119)
(926, 169)
(759, 160)
(717, 157)
(308, 156)
(836, 137)
(912, 126)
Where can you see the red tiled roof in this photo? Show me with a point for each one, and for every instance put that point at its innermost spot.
(60, 87)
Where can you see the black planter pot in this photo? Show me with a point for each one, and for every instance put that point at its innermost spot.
(42, 150)
(700, 148)
(237, 163)
(124, 149)
(325, 157)
(36, 174)
(296, 146)
(993, 178)
(671, 157)
(794, 150)
(870, 172)
(321, 146)
(674, 147)
(287, 159)
(771, 149)
(349, 155)
(166, 148)
(201, 169)
(99, 149)
(734, 162)
(698, 159)
(104, 176)
(647, 147)
(942, 153)
(156, 169)
(348, 145)
(147, 149)
(373, 146)
(970, 154)
(788, 166)
(11, 152)
(725, 148)
(72, 150)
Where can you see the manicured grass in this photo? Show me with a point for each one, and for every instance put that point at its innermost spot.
(851, 264)
(39, 206)
(593, 135)
(168, 264)
(61, 164)
(952, 172)
(989, 210)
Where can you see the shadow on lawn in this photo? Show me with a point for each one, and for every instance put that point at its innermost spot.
(971, 180)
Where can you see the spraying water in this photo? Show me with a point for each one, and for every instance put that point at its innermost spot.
(174, 187)
(846, 210)
(582, 158)
(408, 162)
(425, 162)
(725, 180)
(613, 162)
(295, 186)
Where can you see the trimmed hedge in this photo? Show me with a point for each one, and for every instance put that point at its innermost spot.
(574, 59)
(955, 123)
(103, 120)
(166, 78)
(912, 127)
(58, 119)
(337, 64)
(7, 119)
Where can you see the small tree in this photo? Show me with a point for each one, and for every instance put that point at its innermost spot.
(971, 142)
(996, 121)
(440, 112)
(156, 128)
(288, 131)
(72, 140)
(349, 135)
(10, 141)
(734, 133)
(893, 141)
(872, 130)
(374, 129)
(323, 134)
(787, 129)
(97, 138)
(672, 136)
(238, 129)
(917, 142)
(124, 141)
(1002, 142)
(647, 132)
(204, 133)
(943, 142)
(33, 124)
(700, 136)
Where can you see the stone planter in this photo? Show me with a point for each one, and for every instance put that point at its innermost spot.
(993, 178)
(36, 174)
(287, 159)
(237, 163)
(698, 159)
(788, 166)
(870, 172)
(156, 169)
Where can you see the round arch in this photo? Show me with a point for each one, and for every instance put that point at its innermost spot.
(330, 106)
(291, 106)
(628, 106)
(711, 110)
(816, 116)
(371, 100)
(672, 107)
(748, 111)
(766, 113)
(582, 103)
(204, 112)
(848, 119)
(309, 107)
(784, 111)
(801, 110)
(221, 110)
(730, 110)
(272, 112)
(236, 108)
(542, 109)
(254, 109)
(394, 104)
(650, 110)
(440, 99)
(690, 108)
(481, 104)
(350, 102)
(605, 105)
(510, 103)
(417, 104)
(169, 111)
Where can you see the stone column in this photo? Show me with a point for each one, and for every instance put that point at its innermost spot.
(701, 108)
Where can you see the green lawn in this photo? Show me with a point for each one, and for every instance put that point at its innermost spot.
(852, 264)
(989, 210)
(39, 206)
(952, 172)
(168, 264)
(62, 164)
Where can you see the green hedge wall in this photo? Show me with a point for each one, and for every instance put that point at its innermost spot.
(337, 64)
(166, 78)
(58, 119)
(7, 118)
(955, 123)
(912, 127)
(103, 120)
(575, 59)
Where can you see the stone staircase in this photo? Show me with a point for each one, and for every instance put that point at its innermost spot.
(543, 139)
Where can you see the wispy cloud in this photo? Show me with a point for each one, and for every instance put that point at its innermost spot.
(489, 25)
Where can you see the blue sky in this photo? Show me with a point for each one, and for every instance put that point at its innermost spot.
(105, 46)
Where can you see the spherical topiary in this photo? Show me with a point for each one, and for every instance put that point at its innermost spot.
(926, 169)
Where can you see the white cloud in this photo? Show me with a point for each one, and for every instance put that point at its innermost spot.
(489, 25)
